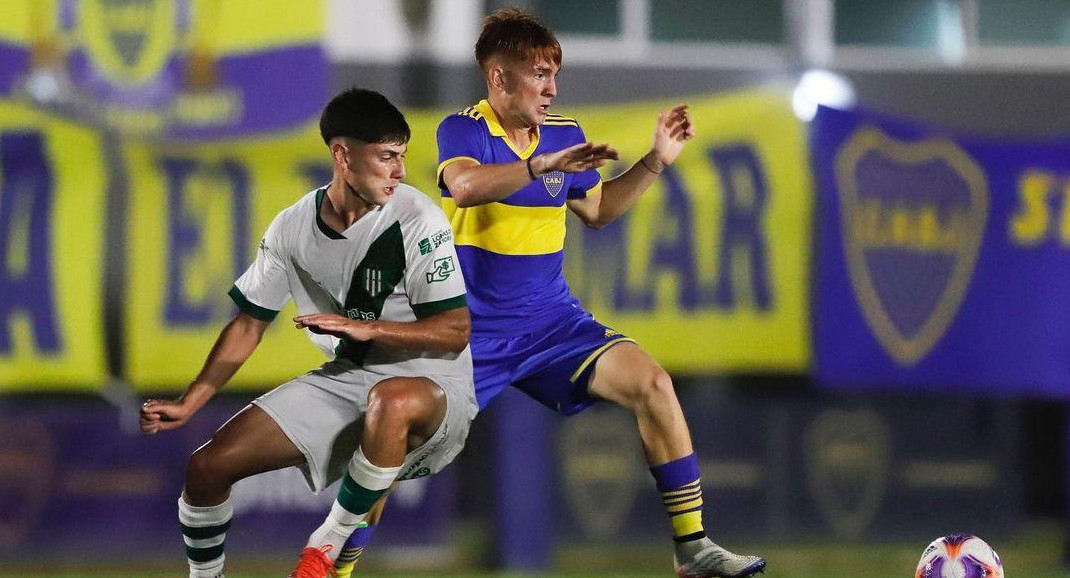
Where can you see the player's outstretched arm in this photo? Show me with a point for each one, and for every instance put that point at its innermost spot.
(236, 343)
(472, 184)
(446, 331)
(671, 133)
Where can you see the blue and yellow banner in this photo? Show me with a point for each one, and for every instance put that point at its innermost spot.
(944, 258)
(196, 216)
(709, 272)
(168, 68)
(52, 206)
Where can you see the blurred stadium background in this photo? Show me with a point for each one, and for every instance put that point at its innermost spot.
(864, 313)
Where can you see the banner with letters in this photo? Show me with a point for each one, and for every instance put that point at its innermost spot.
(196, 216)
(943, 259)
(52, 206)
(709, 272)
(717, 250)
(197, 213)
(168, 68)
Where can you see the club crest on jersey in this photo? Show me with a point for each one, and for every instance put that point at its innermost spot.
(912, 216)
(373, 281)
(554, 181)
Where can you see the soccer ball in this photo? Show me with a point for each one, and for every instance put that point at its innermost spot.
(959, 556)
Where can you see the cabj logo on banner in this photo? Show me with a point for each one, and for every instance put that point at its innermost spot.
(176, 68)
(942, 259)
(912, 214)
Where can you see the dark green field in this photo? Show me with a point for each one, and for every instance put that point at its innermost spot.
(1038, 555)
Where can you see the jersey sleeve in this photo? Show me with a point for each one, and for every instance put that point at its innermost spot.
(263, 289)
(459, 138)
(433, 279)
(586, 182)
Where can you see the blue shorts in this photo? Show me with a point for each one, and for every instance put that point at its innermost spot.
(553, 366)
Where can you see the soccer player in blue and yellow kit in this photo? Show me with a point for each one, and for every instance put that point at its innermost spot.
(508, 170)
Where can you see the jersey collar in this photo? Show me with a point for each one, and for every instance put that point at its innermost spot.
(495, 127)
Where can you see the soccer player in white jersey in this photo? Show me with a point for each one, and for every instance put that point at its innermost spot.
(371, 266)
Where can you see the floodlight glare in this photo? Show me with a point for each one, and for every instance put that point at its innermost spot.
(818, 87)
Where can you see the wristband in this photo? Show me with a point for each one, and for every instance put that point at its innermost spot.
(642, 159)
(531, 173)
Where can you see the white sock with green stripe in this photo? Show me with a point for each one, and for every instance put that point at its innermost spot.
(204, 529)
(361, 488)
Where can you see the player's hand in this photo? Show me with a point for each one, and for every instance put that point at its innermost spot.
(673, 130)
(336, 325)
(161, 415)
(575, 159)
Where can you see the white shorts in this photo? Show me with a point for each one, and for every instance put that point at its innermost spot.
(322, 412)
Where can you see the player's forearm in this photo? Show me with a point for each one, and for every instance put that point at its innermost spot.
(620, 193)
(235, 344)
(475, 185)
(448, 332)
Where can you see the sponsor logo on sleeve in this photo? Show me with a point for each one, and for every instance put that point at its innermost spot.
(432, 242)
(442, 269)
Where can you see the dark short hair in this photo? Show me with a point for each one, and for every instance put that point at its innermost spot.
(363, 115)
(518, 35)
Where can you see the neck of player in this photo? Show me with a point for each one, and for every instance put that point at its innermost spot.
(516, 130)
(344, 206)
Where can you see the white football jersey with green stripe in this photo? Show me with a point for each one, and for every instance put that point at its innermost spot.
(396, 263)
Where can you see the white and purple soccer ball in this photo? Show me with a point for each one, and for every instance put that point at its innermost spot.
(959, 556)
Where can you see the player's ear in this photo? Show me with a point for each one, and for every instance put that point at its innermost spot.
(339, 153)
(496, 77)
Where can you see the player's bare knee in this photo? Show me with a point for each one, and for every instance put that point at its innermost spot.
(207, 473)
(653, 388)
(394, 403)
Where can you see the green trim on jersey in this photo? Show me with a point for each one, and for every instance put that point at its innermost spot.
(374, 280)
(326, 230)
(249, 308)
(430, 308)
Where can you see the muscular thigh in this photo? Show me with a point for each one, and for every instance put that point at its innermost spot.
(252, 443)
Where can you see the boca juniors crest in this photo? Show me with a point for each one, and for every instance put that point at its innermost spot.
(554, 181)
(912, 216)
(942, 259)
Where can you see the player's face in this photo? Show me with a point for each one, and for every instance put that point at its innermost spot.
(375, 170)
(532, 88)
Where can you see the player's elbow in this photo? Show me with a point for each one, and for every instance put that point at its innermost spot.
(462, 334)
(458, 331)
(463, 196)
(594, 221)
(594, 224)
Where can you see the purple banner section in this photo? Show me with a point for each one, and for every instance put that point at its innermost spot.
(942, 260)
(802, 468)
(14, 62)
(276, 88)
(77, 480)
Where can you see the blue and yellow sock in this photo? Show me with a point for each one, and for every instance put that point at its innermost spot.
(353, 550)
(681, 491)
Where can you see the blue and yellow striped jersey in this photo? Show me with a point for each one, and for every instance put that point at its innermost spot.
(512, 251)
